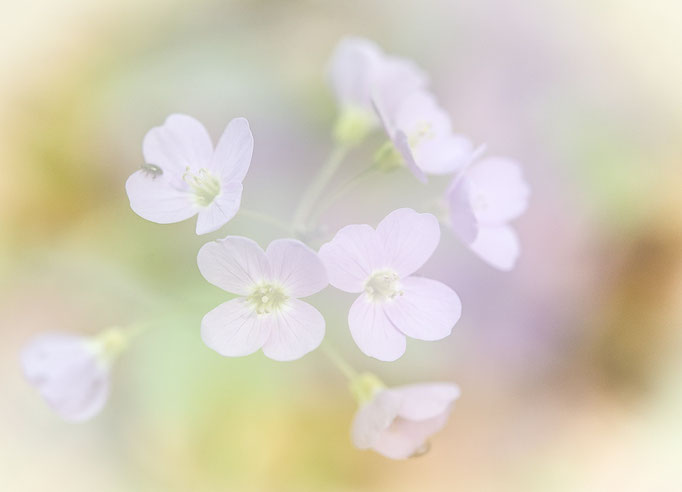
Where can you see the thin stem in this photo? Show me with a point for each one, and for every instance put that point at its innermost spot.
(266, 219)
(314, 191)
(343, 366)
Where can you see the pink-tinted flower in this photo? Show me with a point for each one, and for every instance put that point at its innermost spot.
(421, 131)
(185, 176)
(72, 372)
(269, 315)
(483, 199)
(394, 303)
(397, 422)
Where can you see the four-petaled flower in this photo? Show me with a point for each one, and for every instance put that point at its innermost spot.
(483, 199)
(72, 372)
(397, 422)
(379, 264)
(269, 314)
(184, 176)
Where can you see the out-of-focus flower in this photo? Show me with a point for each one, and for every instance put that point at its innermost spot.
(421, 132)
(380, 263)
(483, 199)
(397, 422)
(356, 67)
(72, 372)
(184, 176)
(269, 315)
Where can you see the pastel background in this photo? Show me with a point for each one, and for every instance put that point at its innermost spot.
(570, 366)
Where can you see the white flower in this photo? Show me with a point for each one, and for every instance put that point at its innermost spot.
(72, 372)
(483, 199)
(184, 176)
(397, 422)
(269, 315)
(393, 303)
(421, 132)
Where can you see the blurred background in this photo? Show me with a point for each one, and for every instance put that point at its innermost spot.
(569, 366)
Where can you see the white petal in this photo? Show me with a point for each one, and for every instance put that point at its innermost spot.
(297, 329)
(498, 246)
(374, 417)
(351, 257)
(180, 142)
(235, 264)
(233, 329)
(155, 198)
(444, 155)
(499, 192)
(232, 156)
(427, 310)
(409, 239)
(373, 332)
(352, 71)
(407, 438)
(426, 400)
(462, 217)
(403, 147)
(297, 267)
(69, 374)
(224, 207)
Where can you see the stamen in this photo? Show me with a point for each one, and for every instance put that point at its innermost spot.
(383, 285)
(267, 298)
(204, 185)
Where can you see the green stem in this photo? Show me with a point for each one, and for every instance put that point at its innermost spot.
(314, 191)
(343, 366)
(266, 219)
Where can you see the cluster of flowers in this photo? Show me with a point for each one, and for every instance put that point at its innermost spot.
(184, 175)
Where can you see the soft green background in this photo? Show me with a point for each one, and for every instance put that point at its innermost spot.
(569, 366)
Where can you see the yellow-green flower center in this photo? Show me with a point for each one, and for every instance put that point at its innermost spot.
(204, 185)
(267, 298)
(383, 285)
(422, 131)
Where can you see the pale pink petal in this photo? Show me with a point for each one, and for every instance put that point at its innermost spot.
(498, 246)
(297, 328)
(426, 400)
(444, 155)
(181, 142)
(156, 199)
(462, 218)
(351, 257)
(403, 147)
(221, 210)
(235, 264)
(373, 332)
(296, 267)
(409, 239)
(407, 438)
(498, 191)
(232, 156)
(427, 309)
(373, 417)
(352, 70)
(234, 329)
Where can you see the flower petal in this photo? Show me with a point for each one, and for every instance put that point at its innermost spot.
(498, 246)
(426, 311)
(403, 147)
(407, 438)
(220, 212)
(232, 156)
(234, 329)
(351, 257)
(499, 191)
(296, 267)
(462, 217)
(235, 264)
(352, 70)
(444, 155)
(154, 198)
(373, 332)
(426, 400)
(374, 417)
(297, 329)
(180, 142)
(409, 239)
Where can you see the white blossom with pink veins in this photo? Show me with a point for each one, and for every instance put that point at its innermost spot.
(71, 372)
(397, 422)
(269, 313)
(483, 199)
(421, 131)
(394, 303)
(185, 176)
